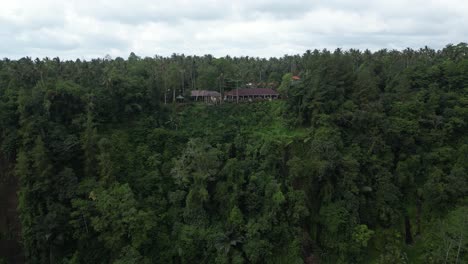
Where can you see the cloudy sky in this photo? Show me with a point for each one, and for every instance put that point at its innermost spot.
(264, 28)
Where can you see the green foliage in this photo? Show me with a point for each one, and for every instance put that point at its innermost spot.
(119, 222)
(285, 83)
(447, 242)
(361, 235)
(363, 161)
(390, 248)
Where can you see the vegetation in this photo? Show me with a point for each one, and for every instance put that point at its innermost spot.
(365, 159)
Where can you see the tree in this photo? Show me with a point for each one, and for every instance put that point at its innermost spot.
(89, 146)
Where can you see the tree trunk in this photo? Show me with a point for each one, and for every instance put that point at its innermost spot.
(408, 236)
(418, 216)
(459, 247)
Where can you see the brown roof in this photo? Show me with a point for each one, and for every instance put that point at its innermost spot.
(252, 92)
(296, 78)
(203, 93)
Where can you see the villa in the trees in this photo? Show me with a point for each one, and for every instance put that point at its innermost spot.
(251, 94)
(206, 96)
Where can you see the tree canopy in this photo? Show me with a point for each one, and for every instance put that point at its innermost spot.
(363, 160)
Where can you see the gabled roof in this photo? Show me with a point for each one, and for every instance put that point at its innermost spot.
(203, 93)
(295, 77)
(252, 92)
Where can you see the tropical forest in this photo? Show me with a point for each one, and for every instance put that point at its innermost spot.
(362, 157)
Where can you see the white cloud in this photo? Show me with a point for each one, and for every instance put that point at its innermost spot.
(86, 29)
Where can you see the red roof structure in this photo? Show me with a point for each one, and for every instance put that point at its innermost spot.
(295, 77)
(206, 96)
(250, 94)
(253, 92)
(204, 93)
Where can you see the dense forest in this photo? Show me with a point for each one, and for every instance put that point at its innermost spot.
(363, 160)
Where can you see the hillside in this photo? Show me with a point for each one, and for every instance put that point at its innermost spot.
(363, 160)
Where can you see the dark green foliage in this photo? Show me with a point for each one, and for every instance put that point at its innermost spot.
(365, 160)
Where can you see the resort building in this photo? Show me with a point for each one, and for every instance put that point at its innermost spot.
(252, 94)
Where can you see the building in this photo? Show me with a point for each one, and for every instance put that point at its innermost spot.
(251, 94)
(180, 98)
(205, 96)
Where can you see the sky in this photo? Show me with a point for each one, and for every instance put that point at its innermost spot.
(86, 29)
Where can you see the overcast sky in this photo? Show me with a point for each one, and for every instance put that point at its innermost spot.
(88, 29)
